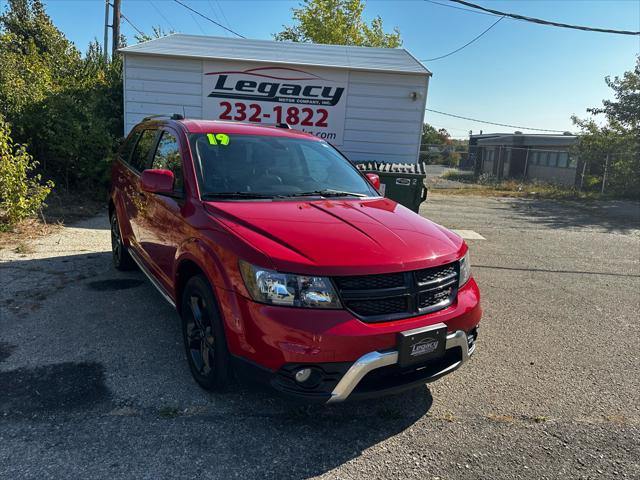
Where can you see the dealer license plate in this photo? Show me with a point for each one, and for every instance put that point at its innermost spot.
(422, 345)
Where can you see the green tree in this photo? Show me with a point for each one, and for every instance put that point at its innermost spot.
(433, 136)
(158, 32)
(615, 145)
(21, 193)
(65, 107)
(35, 58)
(436, 146)
(337, 22)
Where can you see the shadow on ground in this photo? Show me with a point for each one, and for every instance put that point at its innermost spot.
(83, 342)
(613, 216)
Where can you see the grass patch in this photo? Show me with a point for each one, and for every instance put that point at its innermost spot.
(23, 249)
(16, 237)
(486, 185)
(61, 209)
(459, 176)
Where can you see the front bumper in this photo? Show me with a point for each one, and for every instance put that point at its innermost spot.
(376, 360)
(375, 373)
(350, 358)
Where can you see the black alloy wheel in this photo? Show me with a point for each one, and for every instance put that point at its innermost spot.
(121, 258)
(203, 335)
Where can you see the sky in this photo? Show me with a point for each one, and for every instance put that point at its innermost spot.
(518, 73)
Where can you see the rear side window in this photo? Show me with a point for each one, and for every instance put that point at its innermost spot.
(168, 157)
(127, 146)
(143, 148)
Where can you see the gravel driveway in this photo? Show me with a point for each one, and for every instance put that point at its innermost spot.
(94, 382)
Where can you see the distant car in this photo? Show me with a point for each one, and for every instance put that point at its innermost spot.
(285, 263)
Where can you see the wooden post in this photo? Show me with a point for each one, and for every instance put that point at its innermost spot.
(116, 28)
(526, 164)
(584, 169)
(604, 175)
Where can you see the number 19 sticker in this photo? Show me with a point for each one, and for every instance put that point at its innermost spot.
(218, 139)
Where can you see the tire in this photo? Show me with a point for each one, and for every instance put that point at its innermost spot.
(203, 335)
(119, 253)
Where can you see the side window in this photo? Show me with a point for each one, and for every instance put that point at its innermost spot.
(141, 152)
(127, 147)
(536, 158)
(563, 159)
(168, 157)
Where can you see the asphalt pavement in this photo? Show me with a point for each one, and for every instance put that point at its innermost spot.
(94, 381)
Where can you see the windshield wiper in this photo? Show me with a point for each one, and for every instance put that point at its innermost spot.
(328, 193)
(236, 195)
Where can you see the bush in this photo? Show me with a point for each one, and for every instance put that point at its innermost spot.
(21, 196)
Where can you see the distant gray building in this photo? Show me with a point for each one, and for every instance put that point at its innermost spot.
(546, 158)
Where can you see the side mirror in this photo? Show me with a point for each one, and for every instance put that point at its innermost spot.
(374, 180)
(157, 181)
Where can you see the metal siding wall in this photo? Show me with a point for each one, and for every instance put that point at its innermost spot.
(383, 123)
(161, 85)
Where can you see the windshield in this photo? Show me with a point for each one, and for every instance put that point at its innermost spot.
(246, 166)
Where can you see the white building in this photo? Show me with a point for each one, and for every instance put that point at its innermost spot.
(369, 102)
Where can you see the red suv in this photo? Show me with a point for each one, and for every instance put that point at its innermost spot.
(285, 262)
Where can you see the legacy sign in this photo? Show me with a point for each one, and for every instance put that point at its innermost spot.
(309, 99)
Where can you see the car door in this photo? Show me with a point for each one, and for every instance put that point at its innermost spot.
(129, 183)
(163, 226)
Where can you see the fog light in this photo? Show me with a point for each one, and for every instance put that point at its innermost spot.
(303, 375)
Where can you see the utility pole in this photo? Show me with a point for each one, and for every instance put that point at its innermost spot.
(106, 30)
(116, 28)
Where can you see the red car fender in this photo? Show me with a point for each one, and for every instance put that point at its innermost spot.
(208, 261)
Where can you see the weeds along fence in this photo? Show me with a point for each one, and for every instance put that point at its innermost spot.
(599, 170)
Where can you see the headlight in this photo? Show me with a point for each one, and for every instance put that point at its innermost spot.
(465, 270)
(275, 288)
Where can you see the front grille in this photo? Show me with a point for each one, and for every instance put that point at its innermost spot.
(379, 298)
(430, 275)
(384, 306)
(429, 299)
(371, 282)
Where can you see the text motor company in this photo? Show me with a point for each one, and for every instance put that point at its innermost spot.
(309, 99)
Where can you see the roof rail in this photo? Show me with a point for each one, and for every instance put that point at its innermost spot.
(175, 116)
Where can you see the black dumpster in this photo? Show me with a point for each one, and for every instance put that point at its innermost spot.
(402, 182)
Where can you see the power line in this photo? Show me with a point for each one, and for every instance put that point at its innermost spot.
(161, 14)
(465, 45)
(460, 8)
(122, 15)
(226, 20)
(217, 17)
(493, 123)
(195, 20)
(543, 22)
(208, 18)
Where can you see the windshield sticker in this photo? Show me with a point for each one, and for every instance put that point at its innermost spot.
(218, 139)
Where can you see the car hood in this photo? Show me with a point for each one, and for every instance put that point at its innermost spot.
(339, 237)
